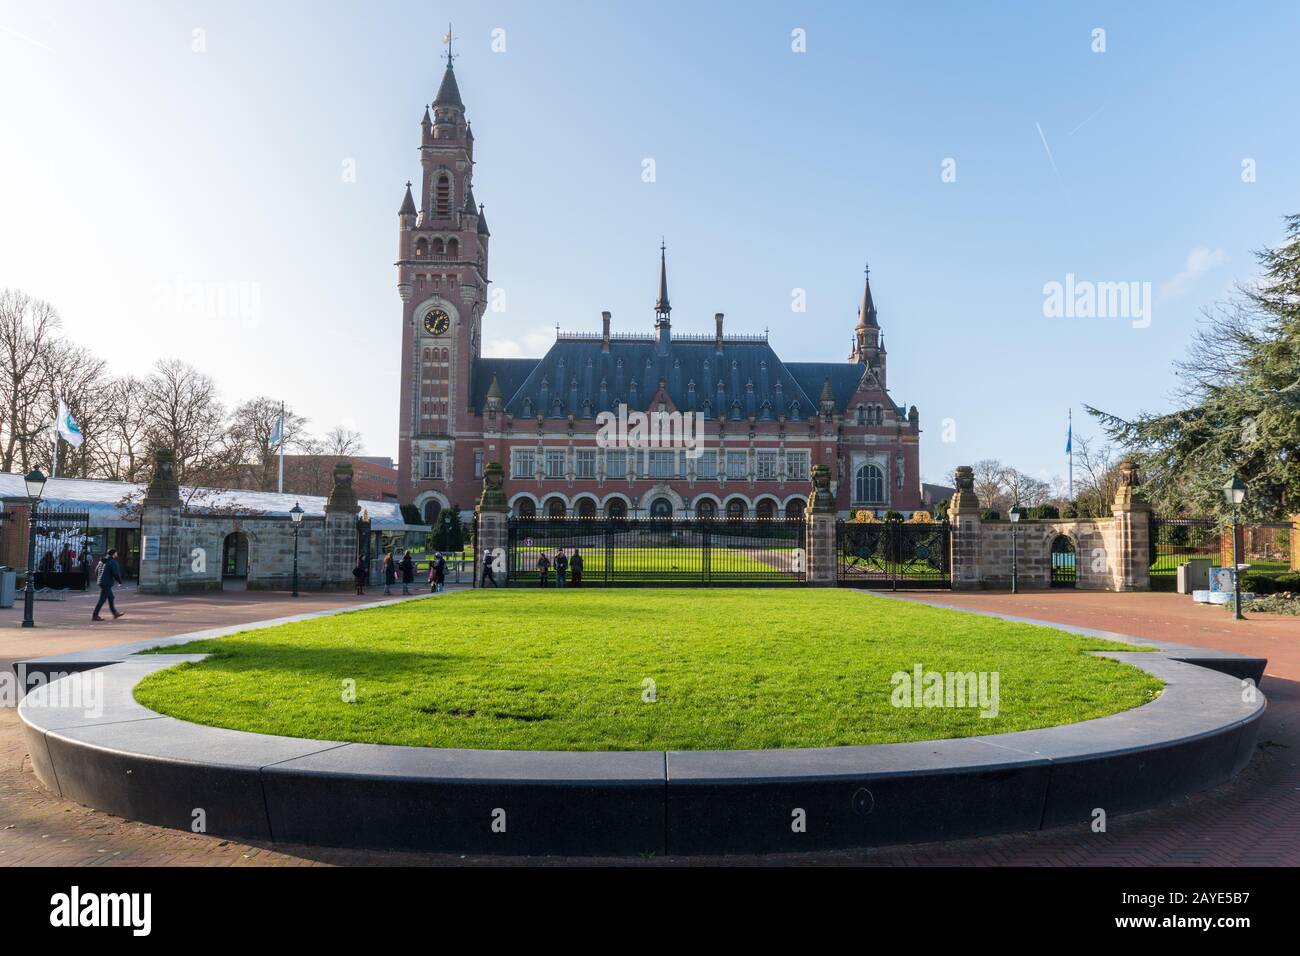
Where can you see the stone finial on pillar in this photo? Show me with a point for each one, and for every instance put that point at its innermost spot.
(342, 499)
(1129, 496)
(162, 487)
(493, 496)
(964, 499)
(820, 500)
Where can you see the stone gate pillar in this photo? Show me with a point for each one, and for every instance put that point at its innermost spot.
(1131, 560)
(819, 528)
(964, 520)
(340, 551)
(160, 519)
(492, 512)
(1295, 542)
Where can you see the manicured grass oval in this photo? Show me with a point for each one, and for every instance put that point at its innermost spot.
(645, 670)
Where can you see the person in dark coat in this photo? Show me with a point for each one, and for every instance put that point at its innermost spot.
(575, 568)
(390, 572)
(561, 566)
(408, 572)
(487, 572)
(543, 569)
(84, 567)
(109, 575)
(440, 572)
(360, 573)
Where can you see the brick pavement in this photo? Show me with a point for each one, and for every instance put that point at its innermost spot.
(1253, 821)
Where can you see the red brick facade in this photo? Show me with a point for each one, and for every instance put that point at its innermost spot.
(765, 422)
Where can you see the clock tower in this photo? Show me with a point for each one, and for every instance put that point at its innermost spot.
(442, 280)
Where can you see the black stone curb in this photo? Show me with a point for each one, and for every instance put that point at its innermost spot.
(135, 763)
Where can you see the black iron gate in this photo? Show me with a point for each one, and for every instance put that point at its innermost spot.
(893, 554)
(1064, 563)
(655, 552)
(62, 548)
(1175, 541)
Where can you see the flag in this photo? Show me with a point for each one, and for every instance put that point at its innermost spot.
(1069, 439)
(66, 426)
(277, 433)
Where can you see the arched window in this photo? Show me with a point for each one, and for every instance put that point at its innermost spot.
(437, 246)
(661, 508)
(617, 508)
(794, 508)
(586, 508)
(707, 508)
(442, 196)
(862, 414)
(524, 508)
(422, 247)
(869, 484)
(766, 508)
(453, 249)
(736, 508)
(555, 508)
(431, 509)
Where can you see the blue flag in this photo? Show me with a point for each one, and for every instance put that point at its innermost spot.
(1069, 439)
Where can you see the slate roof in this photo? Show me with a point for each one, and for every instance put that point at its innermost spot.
(747, 378)
(101, 499)
(448, 91)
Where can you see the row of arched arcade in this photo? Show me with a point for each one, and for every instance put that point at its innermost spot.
(662, 504)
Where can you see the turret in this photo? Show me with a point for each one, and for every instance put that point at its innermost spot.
(663, 311)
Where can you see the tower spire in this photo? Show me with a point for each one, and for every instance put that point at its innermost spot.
(867, 311)
(661, 304)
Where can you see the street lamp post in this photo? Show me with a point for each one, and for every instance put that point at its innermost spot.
(1234, 492)
(1015, 582)
(295, 519)
(35, 482)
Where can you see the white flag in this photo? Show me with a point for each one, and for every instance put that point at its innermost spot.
(66, 426)
(277, 433)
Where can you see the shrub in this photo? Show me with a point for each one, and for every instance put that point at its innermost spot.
(989, 514)
(1285, 602)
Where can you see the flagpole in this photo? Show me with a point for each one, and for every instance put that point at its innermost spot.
(280, 486)
(1071, 454)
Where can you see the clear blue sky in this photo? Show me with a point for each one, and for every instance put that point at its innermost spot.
(133, 165)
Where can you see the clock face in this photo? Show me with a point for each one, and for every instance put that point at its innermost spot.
(436, 322)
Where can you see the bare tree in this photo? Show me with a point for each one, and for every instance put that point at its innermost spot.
(990, 483)
(1097, 477)
(251, 426)
(183, 413)
(120, 446)
(343, 442)
(28, 329)
(1025, 490)
(72, 374)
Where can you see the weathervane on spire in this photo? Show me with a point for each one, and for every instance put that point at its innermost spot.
(866, 270)
(447, 38)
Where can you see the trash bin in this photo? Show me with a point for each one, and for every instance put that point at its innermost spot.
(8, 582)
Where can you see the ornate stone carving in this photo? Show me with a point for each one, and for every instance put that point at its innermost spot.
(1128, 496)
(342, 499)
(493, 497)
(163, 489)
(820, 500)
(965, 499)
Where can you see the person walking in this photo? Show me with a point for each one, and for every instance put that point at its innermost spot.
(561, 566)
(543, 569)
(359, 572)
(440, 572)
(487, 571)
(390, 572)
(575, 566)
(109, 575)
(408, 572)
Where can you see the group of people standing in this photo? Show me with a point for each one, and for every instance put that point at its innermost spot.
(402, 569)
(562, 565)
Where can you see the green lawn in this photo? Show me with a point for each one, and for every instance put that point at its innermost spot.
(567, 670)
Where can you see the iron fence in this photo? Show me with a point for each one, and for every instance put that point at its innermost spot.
(1175, 541)
(893, 554)
(623, 552)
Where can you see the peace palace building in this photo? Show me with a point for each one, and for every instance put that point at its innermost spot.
(766, 422)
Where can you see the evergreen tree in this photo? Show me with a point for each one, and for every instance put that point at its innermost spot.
(1240, 397)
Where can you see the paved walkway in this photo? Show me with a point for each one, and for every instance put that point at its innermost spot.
(1253, 821)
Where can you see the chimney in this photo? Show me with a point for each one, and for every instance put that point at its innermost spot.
(604, 332)
(717, 336)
